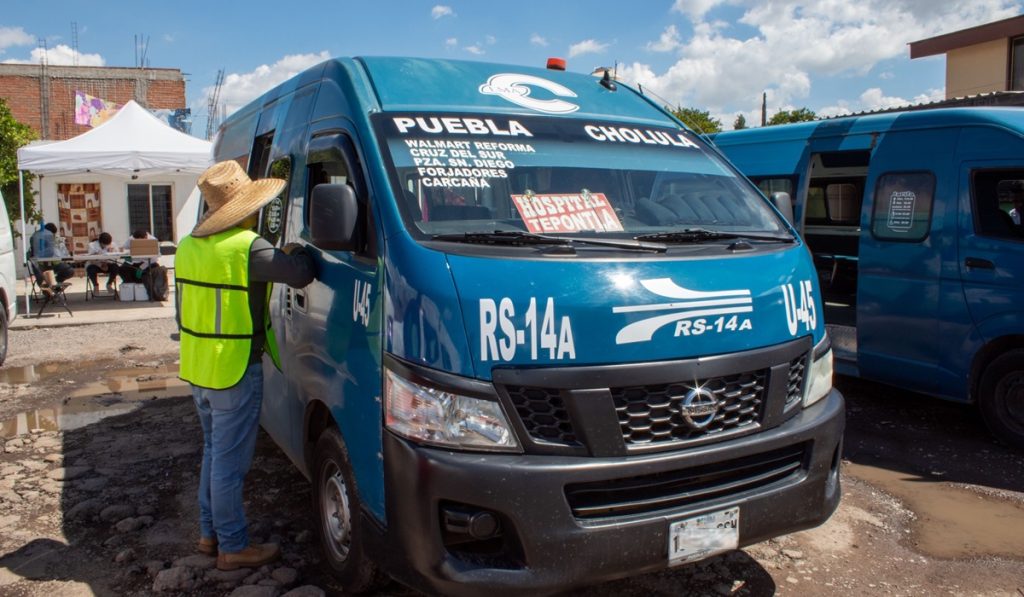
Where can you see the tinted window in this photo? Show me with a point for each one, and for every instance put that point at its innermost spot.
(903, 206)
(998, 202)
(272, 216)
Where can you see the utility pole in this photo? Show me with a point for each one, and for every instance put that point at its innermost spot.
(764, 108)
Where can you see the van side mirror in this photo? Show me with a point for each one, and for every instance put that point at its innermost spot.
(333, 215)
(784, 204)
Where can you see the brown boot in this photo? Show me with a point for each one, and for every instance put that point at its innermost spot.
(207, 546)
(253, 556)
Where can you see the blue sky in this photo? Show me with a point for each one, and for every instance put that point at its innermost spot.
(832, 56)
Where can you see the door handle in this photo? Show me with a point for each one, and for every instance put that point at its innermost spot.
(975, 263)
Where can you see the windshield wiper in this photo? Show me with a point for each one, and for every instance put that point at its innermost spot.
(698, 235)
(519, 238)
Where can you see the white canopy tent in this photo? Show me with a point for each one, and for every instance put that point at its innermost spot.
(132, 143)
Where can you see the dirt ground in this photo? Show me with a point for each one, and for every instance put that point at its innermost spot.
(105, 504)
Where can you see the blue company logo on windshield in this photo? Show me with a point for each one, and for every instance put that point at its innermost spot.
(515, 88)
(694, 313)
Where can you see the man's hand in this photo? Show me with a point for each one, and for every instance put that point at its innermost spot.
(290, 248)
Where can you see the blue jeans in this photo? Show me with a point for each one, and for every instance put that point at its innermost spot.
(230, 420)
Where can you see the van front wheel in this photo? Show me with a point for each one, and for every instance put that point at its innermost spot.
(1001, 398)
(336, 503)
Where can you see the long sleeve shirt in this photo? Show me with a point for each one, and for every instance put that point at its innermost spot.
(267, 265)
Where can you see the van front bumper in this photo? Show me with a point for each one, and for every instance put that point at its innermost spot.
(546, 545)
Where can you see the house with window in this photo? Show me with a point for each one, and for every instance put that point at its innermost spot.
(987, 59)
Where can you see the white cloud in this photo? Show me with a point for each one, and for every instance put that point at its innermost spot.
(14, 36)
(475, 49)
(451, 42)
(241, 88)
(668, 41)
(587, 46)
(537, 40)
(887, 75)
(168, 38)
(491, 40)
(875, 99)
(440, 11)
(794, 42)
(696, 9)
(60, 55)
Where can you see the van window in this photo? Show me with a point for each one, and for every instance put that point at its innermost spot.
(903, 206)
(997, 198)
(834, 202)
(273, 214)
(482, 173)
(775, 185)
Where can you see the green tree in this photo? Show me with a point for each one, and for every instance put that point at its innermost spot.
(13, 135)
(740, 122)
(787, 116)
(698, 120)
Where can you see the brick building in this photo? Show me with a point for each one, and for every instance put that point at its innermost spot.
(43, 97)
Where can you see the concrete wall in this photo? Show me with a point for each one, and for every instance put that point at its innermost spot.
(114, 200)
(977, 69)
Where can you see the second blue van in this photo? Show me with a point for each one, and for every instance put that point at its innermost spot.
(914, 223)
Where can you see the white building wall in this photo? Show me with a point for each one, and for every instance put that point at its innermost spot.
(114, 200)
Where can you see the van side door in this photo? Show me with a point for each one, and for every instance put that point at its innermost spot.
(992, 248)
(334, 324)
(906, 230)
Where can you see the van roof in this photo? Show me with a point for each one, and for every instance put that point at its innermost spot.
(430, 85)
(1007, 117)
(422, 85)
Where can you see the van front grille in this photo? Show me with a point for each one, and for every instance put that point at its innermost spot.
(653, 414)
(795, 384)
(690, 487)
(543, 413)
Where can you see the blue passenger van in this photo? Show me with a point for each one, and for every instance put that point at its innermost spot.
(911, 220)
(555, 338)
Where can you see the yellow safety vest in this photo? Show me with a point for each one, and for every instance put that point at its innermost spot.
(212, 288)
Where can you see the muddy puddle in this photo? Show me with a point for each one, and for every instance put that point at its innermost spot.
(116, 392)
(952, 522)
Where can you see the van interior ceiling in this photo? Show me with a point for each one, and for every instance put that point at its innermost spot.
(832, 228)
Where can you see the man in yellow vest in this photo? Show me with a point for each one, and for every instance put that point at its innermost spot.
(223, 277)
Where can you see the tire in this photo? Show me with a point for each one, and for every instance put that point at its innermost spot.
(3, 334)
(339, 523)
(1001, 398)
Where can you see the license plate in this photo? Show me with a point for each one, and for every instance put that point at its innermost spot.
(703, 536)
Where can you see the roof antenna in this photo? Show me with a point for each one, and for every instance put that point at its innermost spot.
(606, 81)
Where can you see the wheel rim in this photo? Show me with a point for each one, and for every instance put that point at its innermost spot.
(335, 514)
(1013, 398)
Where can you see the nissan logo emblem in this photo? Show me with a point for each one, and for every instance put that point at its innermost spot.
(699, 408)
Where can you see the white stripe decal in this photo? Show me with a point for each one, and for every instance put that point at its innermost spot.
(684, 305)
(667, 288)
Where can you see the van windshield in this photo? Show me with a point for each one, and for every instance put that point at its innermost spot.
(483, 173)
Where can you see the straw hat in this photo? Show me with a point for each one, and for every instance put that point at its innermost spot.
(231, 196)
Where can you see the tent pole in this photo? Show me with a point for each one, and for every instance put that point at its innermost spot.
(24, 239)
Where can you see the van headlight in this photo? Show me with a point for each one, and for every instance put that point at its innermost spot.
(820, 382)
(441, 418)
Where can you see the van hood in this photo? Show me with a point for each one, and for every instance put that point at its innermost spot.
(535, 312)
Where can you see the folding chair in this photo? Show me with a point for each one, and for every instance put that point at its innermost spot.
(92, 292)
(51, 291)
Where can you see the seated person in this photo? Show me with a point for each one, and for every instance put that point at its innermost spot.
(44, 246)
(103, 245)
(132, 272)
